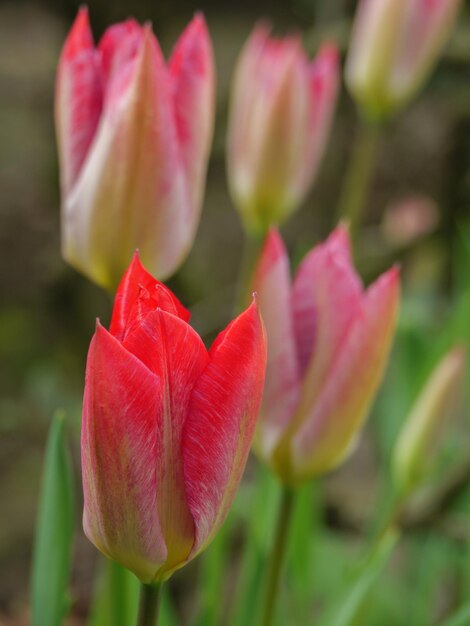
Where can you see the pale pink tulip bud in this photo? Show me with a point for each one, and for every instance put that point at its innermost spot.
(328, 344)
(134, 135)
(282, 107)
(428, 420)
(394, 46)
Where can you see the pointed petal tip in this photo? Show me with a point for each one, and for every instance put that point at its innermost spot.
(272, 251)
(80, 35)
(274, 244)
(198, 22)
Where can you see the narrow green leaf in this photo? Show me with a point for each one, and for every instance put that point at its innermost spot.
(259, 532)
(213, 569)
(354, 601)
(116, 599)
(54, 532)
(460, 618)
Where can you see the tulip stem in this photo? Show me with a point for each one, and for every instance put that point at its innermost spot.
(251, 253)
(359, 173)
(149, 605)
(277, 555)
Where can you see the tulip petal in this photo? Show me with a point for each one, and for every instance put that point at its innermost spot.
(125, 308)
(325, 296)
(119, 48)
(353, 377)
(175, 353)
(424, 28)
(222, 416)
(324, 84)
(281, 390)
(192, 76)
(78, 99)
(121, 411)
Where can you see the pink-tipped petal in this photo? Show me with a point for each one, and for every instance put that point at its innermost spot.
(281, 391)
(121, 412)
(119, 48)
(325, 296)
(354, 375)
(78, 101)
(424, 28)
(128, 295)
(192, 77)
(174, 352)
(222, 416)
(324, 87)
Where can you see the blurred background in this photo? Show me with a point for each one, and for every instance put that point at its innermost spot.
(417, 214)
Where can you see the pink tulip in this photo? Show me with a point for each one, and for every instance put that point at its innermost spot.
(394, 46)
(167, 427)
(328, 343)
(134, 135)
(281, 112)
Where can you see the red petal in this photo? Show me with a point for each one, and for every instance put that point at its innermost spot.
(174, 352)
(191, 72)
(222, 416)
(120, 446)
(129, 298)
(78, 101)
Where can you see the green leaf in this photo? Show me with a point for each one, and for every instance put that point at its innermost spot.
(259, 532)
(54, 532)
(460, 618)
(117, 596)
(354, 601)
(215, 562)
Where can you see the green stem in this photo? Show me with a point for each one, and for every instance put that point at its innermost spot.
(359, 173)
(277, 555)
(251, 252)
(149, 605)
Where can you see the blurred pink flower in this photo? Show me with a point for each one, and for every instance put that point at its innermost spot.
(134, 135)
(394, 46)
(328, 344)
(282, 108)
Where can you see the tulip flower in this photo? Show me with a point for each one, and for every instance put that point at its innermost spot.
(134, 135)
(394, 46)
(282, 107)
(424, 427)
(167, 427)
(328, 343)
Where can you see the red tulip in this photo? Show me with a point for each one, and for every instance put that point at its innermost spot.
(167, 427)
(281, 113)
(134, 135)
(328, 343)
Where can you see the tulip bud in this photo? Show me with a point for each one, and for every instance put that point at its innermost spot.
(281, 112)
(167, 427)
(328, 344)
(425, 425)
(134, 136)
(394, 46)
